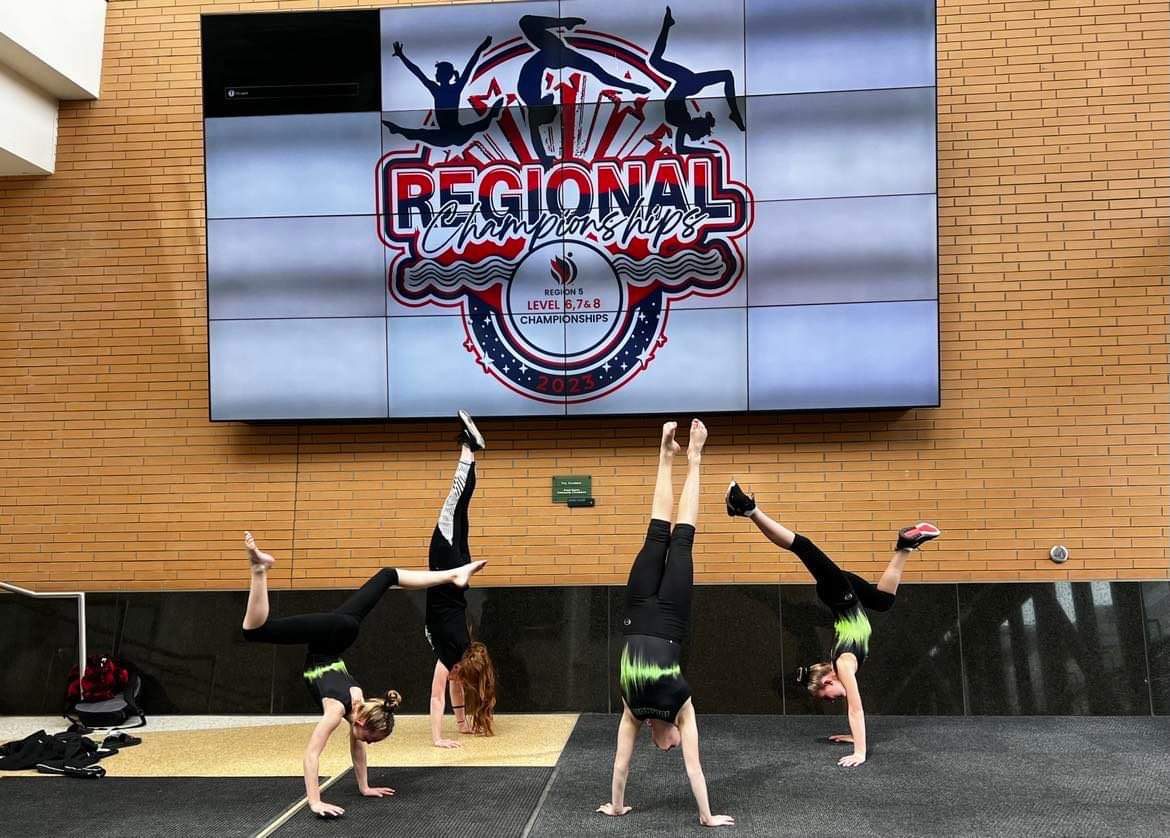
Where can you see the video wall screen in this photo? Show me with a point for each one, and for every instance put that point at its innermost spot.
(576, 207)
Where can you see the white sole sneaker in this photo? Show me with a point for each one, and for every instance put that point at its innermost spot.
(472, 431)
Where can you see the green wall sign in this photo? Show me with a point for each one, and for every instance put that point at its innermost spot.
(569, 486)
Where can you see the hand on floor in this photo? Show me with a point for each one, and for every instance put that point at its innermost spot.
(608, 809)
(446, 743)
(841, 738)
(718, 820)
(377, 792)
(851, 761)
(326, 810)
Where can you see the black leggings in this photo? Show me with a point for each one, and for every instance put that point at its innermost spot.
(449, 548)
(834, 584)
(329, 633)
(658, 593)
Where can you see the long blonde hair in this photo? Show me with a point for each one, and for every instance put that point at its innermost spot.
(377, 714)
(477, 674)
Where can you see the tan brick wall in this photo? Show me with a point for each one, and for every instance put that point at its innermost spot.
(1053, 202)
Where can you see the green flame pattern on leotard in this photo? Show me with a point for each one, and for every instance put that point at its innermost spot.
(852, 634)
(317, 672)
(636, 673)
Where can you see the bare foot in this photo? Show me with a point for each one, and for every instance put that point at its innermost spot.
(669, 446)
(697, 439)
(260, 560)
(463, 574)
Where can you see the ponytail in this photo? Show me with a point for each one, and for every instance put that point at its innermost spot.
(377, 714)
(813, 677)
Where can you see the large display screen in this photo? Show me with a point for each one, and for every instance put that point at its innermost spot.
(572, 207)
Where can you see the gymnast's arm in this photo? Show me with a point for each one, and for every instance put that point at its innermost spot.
(471, 62)
(688, 728)
(334, 712)
(627, 738)
(438, 707)
(680, 144)
(357, 752)
(458, 699)
(847, 674)
(410, 65)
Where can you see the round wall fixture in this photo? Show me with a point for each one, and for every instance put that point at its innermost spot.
(1058, 554)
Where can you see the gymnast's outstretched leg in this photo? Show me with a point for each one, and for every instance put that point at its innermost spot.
(327, 635)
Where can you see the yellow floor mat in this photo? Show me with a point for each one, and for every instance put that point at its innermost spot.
(277, 750)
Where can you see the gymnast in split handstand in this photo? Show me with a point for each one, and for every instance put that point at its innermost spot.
(847, 596)
(657, 612)
(447, 90)
(327, 636)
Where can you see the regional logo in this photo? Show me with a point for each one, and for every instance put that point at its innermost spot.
(571, 211)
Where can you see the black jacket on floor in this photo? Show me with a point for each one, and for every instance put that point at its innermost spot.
(55, 752)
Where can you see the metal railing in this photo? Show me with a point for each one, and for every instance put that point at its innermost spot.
(80, 597)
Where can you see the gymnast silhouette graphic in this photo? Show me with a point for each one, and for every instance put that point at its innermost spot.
(689, 83)
(447, 90)
(553, 54)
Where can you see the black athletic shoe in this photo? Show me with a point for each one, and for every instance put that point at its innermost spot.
(120, 740)
(911, 538)
(737, 502)
(470, 435)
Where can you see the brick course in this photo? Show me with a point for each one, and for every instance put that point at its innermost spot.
(1053, 202)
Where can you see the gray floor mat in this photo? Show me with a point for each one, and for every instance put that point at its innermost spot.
(433, 802)
(117, 807)
(925, 776)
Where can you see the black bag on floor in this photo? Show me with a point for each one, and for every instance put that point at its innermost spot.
(113, 693)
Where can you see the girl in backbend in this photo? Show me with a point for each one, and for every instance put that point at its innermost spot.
(688, 83)
(847, 596)
(327, 636)
(657, 611)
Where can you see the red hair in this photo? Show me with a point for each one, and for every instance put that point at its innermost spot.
(477, 674)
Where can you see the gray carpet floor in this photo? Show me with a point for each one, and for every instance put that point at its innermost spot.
(119, 807)
(433, 802)
(925, 776)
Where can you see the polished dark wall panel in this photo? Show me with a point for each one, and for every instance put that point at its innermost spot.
(549, 646)
(1156, 613)
(916, 661)
(733, 660)
(1069, 648)
(1085, 648)
(190, 652)
(38, 647)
